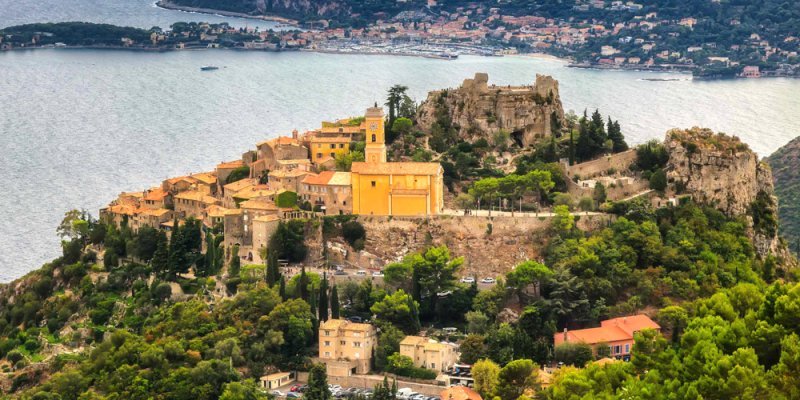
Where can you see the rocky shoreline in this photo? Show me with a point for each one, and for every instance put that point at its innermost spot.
(165, 4)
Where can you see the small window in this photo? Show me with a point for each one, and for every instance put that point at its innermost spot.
(327, 333)
(333, 155)
(342, 342)
(327, 343)
(327, 354)
(333, 146)
(356, 344)
(627, 348)
(373, 183)
(319, 155)
(374, 138)
(341, 145)
(616, 349)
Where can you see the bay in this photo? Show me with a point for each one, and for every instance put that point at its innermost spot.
(79, 126)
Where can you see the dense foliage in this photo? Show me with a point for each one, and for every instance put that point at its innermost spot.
(785, 164)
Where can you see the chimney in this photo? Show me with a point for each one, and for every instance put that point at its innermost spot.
(294, 134)
(565, 335)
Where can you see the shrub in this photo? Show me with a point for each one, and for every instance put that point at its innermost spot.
(352, 232)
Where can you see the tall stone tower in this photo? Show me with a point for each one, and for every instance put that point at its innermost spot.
(375, 151)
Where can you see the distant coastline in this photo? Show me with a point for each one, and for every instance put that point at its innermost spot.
(165, 4)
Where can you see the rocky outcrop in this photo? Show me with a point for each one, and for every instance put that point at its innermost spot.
(477, 109)
(721, 171)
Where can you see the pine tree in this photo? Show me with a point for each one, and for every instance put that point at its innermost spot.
(273, 271)
(323, 298)
(236, 264)
(616, 137)
(334, 302)
(312, 302)
(160, 260)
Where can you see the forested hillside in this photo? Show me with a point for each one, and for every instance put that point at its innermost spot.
(785, 163)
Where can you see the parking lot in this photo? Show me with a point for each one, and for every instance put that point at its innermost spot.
(296, 391)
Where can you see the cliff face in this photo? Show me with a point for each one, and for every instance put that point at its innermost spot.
(479, 110)
(785, 164)
(723, 172)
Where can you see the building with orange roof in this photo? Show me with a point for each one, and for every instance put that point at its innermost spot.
(393, 188)
(428, 353)
(206, 181)
(271, 151)
(328, 192)
(616, 333)
(232, 188)
(346, 347)
(287, 179)
(156, 198)
(459, 393)
(192, 203)
(150, 217)
(178, 184)
(328, 146)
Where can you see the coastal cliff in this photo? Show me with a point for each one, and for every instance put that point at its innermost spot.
(476, 109)
(721, 171)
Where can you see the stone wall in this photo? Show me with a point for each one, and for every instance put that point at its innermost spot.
(511, 241)
(479, 110)
(619, 162)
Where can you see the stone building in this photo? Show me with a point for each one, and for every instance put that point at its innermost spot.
(346, 347)
(430, 354)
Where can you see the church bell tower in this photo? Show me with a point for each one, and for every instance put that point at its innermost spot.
(375, 151)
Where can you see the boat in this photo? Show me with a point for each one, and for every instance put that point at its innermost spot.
(209, 68)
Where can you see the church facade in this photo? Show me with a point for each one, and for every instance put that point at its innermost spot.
(393, 188)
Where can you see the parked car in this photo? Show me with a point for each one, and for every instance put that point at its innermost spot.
(355, 319)
(295, 388)
(450, 330)
(361, 272)
(418, 396)
(278, 393)
(294, 395)
(340, 272)
(487, 280)
(378, 274)
(468, 279)
(404, 393)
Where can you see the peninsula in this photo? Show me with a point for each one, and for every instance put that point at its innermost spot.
(481, 244)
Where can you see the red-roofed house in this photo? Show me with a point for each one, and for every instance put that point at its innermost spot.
(616, 333)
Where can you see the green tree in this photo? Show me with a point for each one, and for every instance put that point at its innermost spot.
(473, 348)
(388, 343)
(334, 302)
(577, 354)
(486, 375)
(398, 309)
(317, 384)
(528, 274)
(323, 298)
(517, 377)
(246, 390)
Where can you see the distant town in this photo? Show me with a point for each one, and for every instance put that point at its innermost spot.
(597, 34)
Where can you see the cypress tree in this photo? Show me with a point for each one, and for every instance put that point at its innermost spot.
(273, 271)
(160, 260)
(236, 263)
(323, 298)
(282, 289)
(312, 302)
(302, 284)
(334, 303)
(317, 384)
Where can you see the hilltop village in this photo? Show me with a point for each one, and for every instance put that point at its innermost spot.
(481, 245)
(290, 177)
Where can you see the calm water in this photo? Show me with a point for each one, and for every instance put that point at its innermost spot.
(79, 126)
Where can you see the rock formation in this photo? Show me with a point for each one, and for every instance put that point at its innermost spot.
(479, 110)
(723, 172)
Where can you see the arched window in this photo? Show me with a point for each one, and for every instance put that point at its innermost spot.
(374, 138)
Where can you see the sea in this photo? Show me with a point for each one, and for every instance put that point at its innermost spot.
(77, 127)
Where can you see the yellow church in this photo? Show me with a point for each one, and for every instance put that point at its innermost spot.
(393, 188)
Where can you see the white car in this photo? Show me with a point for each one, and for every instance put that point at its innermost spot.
(467, 279)
(378, 274)
(361, 272)
(278, 393)
(487, 280)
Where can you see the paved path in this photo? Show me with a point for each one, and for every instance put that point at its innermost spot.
(525, 214)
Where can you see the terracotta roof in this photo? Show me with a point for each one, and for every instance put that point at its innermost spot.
(396, 168)
(280, 140)
(177, 179)
(154, 212)
(347, 325)
(459, 393)
(235, 211)
(123, 209)
(631, 324)
(288, 174)
(266, 218)
(195, 195)
(206, 177)
(413, 340)
(215, 211)
(230, 164)
(330, 139)
(156, 194)
(239, 185)
(294, 161)
(340, 179)
(252, 192)
(321, 179)
(258, 205)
